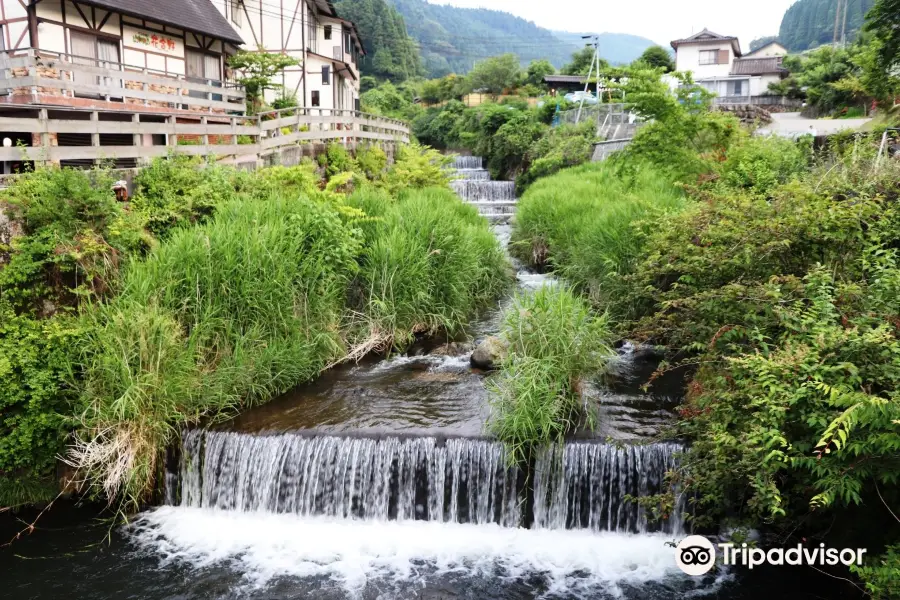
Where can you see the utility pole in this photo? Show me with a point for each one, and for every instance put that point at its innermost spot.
(844, 26)
(837, 23)
(595, 60)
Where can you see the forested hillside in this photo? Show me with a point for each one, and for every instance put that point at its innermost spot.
(451, 39)
(810, 23)
(392, 53)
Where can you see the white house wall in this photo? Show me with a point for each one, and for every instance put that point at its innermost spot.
(285, 27)
(276, 27)
(687, 58)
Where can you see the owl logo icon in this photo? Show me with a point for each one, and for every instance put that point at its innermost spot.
(695, 555)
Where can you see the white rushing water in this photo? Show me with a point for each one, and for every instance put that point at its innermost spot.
(264, 546)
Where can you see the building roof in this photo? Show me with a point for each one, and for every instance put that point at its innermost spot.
(757, 66)
(199, 16)
(564, 78)
(763, 47)
(705, 36)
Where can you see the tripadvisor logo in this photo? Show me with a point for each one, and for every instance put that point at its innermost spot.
(696, 555)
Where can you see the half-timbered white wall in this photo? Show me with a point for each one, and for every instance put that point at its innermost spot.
(295, 28)
(14, 24)
(141, 43)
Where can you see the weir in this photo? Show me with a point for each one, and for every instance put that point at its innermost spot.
(495, 200)
(581, 485)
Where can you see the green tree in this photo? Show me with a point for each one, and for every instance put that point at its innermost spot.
(391, 52)
(884, 22)
(537, 69)
(256, 72)
(496, 74)
(581, 62)
(658, 57)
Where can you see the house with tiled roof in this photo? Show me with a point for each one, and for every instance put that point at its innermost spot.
(717, 63)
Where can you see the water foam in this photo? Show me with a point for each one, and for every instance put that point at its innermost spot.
(265, 546)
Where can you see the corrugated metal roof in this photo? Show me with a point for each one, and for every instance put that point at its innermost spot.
(199, 16)
(757, 66)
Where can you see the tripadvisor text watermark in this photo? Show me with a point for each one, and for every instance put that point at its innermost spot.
(696, 555)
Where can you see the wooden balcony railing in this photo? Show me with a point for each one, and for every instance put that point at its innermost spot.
(42, 77)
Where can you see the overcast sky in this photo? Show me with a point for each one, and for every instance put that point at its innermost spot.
(659, 20)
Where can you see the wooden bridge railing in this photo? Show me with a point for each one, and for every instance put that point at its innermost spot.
(238, 138)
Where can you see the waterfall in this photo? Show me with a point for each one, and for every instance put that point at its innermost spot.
(462, 481)
(583, 485)
(458, 480)
(474, 174)
(495, 200)
(486, 191)
(468, 162)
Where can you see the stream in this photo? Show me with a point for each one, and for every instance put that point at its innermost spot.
(379, 481)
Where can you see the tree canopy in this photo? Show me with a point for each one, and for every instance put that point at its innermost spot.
(658, 57)
(391, 53)
(496, 74)
(581, 62)
(536, 71)
(884, 22)
(810, 23)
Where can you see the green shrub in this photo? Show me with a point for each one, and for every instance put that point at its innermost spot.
(35, 399)
(559, 148)
(180, 190)
(415, 167)
(788, 305)
(554, 341)
(883, 579)
(74, 234)
(372, 160)
(337, 160)
(760, 164)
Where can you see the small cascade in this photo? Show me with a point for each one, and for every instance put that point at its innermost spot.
(485, 191)
(474, 174)
(495, 200)
(458, 480)
(583, 486)
(468, 162)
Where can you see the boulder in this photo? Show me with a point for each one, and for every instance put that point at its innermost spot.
(489, 353)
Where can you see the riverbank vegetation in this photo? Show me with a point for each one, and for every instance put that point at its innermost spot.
(553, 341)
(773, 283)
(212, 290)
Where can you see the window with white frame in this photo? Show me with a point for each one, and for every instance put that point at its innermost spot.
(326, 75)
(709, 57)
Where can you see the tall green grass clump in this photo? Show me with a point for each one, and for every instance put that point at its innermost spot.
(589, 223)
(428, 262)
(221, 316)
(554, 341)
